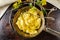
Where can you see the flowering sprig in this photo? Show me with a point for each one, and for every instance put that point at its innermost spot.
(17, 4)
(38, 2)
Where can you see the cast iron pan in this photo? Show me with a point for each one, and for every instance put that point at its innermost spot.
(14, 17)
(53, 25)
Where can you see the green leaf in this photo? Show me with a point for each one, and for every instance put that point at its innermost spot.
(30, 5)
(44, 11)
(38, 2)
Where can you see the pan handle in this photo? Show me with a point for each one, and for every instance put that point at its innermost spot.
(49, 30)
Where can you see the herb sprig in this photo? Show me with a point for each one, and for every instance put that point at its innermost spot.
(17, 4)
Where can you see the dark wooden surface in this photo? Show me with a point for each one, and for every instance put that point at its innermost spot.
(7, 33)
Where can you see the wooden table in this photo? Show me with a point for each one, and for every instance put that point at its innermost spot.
(7, 33)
